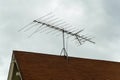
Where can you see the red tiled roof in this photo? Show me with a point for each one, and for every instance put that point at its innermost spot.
(35, 66)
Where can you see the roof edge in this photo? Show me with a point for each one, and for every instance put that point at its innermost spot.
(11, 68)
(27, 52)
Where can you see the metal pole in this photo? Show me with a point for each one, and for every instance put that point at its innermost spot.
(64, 48)
(63, 41)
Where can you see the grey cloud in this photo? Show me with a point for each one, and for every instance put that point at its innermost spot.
(99, 18)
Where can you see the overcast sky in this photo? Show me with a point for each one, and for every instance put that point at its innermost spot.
(100, 18)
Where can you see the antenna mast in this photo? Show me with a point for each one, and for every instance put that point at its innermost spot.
(64, 48)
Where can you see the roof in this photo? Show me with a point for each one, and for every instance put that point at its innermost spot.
(37, 66)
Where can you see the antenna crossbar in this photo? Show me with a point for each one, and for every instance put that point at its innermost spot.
(65, 31)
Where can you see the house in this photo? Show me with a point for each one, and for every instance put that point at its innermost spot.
(38, 66)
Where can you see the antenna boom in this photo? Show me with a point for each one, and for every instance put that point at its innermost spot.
(65, 31)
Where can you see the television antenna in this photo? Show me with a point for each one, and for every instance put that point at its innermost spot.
(49, 21)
